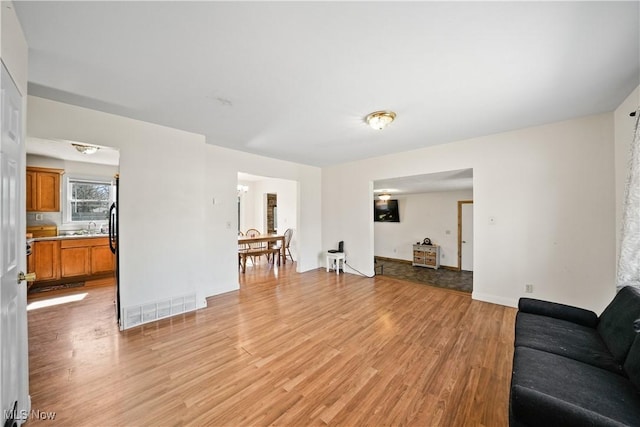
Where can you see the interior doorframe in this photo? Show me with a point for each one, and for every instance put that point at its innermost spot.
(460, 203)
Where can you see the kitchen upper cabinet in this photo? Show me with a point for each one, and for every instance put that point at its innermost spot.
(46, 260)
(31, 190)
(43, 189)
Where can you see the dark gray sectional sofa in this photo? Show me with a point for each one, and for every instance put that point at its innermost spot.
(573, 368)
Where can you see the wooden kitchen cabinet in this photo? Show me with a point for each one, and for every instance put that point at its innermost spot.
(63, 259)
(43, 189)
(102, 259)
(85, 257)
(31, 190)
(46, 260)
(75, 262)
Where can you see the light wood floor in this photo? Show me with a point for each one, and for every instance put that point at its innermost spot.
(306, 349)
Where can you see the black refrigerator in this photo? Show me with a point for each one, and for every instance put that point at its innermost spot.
(113, 243)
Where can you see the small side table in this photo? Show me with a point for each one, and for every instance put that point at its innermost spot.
(336, 257)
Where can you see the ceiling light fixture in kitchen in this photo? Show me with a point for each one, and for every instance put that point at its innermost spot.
(384, 197)
(380, 119)
(86, 149)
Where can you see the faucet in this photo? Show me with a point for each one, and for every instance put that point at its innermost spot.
(94, 227)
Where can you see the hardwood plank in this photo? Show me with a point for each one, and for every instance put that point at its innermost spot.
(286, 349)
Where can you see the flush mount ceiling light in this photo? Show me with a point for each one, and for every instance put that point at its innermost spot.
(380, 119)
(384, 197)
(86, 149)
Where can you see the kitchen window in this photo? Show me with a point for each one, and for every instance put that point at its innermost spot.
(87, 199)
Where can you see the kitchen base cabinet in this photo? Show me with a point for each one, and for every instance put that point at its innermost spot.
(85, 257)
(46, 260)
(79, 259)
(75, 262)
(102, 259)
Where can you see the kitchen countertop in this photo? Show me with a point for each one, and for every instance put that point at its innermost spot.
(67, 237)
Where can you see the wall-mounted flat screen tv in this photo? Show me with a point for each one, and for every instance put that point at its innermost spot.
(386, 211)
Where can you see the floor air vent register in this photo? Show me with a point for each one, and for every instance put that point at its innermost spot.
(138, 315)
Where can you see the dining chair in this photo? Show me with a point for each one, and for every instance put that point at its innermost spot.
(241, 248)
(254, 232)
(288, 234)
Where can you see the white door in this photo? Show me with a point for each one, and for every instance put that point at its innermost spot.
(14, 374)
(466, 261)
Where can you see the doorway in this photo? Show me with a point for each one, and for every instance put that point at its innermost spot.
(428, 211)
(465, 235)
(80, 258)
(267, 205)
(271, 213)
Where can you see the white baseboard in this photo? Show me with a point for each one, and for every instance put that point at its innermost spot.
(494, 299)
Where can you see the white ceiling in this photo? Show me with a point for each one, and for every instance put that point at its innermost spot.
(428, 183)
(64, 150)
(294, 80)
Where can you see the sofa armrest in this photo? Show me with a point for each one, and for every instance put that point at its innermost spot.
(531, 407)
(569, 313)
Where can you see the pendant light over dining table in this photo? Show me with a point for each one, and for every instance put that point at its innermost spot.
(380, 119)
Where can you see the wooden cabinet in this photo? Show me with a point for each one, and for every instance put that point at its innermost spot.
(85, 257)
(426, 256)
(43, 189)
(45, 260)
(42, 230)
(71, 258)
(75, 262)
(102, 259)
(31, 190)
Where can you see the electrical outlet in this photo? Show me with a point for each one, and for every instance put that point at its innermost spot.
(39, 217)
(528, 289)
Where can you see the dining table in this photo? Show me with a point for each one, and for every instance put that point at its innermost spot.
(265, 238)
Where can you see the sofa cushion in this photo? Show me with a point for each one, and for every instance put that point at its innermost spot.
(632, 362)
(565, 339)
(559, 311)
(548, 389)
(616, 322)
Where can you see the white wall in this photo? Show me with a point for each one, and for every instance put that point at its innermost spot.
(13, 46)
(247, 207)
(624, 127)
(422, 215)
(178, 201)
(550, 189)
